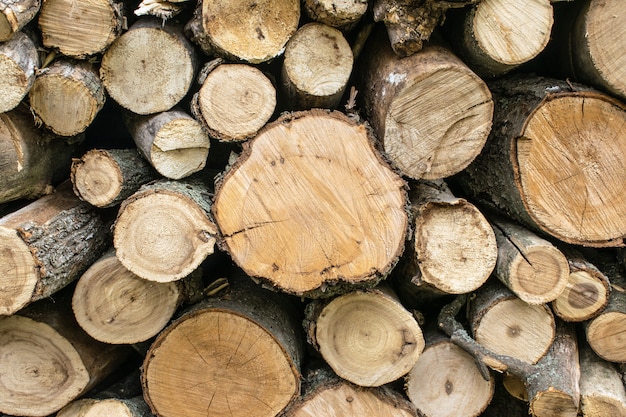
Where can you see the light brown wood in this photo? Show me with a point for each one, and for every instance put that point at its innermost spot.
(606, 331)
(312, 184)
(19, 60)
(111, 407)
(67, 96)
(340, 14)
(431, 113)
(15, 15)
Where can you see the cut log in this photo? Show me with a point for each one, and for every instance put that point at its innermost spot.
(313, 185)
(46, 245)
(554, 161)
(366, 337)
(453, 248)
(18, 62)
(106, 177)
(324, 393)
(164, 231)
(238, 355)
(341, 14)
(79, 30)
(445, 381)
(234, 102)
(420, 139)
(316, 68)
(154, 55)
(217, 27)
(47, 361)
(508, 326)
(172, 141)
(15, 15)
(534, 269)
(31, 159)
(503, 404)
(496, 36)
(67, 96)
(88, 407)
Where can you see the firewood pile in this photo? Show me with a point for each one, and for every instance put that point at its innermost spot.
(312, 208)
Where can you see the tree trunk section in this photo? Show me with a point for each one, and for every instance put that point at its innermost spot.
(554, 161)
(67, 96)
(343, 15)
(94, 26)
(15, 14)
(106, 177)
(317, 67)
(421, 139)
(87, 407)
(312, 183)
(155, 56)
(46, 245)
(234, 102)
(366, 337)
(237, 355)
(18, 62)
(172, 141)
(164, 231)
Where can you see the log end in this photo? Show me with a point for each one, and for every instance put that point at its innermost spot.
(19, 273)
(583, 298)
(605, 336)
(96, 178)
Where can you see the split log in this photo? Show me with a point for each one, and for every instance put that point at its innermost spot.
(47, 361)
(66, 96)
(88, 407)
(172, 141)
(496, 36)
(83, 29)
(164, 231)
(46, 245)
(31, 159)
(508, 326)
(15, 15)
(343, 15)
(234, 101)
(534, 269)
(313, 185)
(421, 139)
(554, 160)
(324, 393)
(316, 68)
(19, 60)
(237, 355)
(106, 177)
(154, 55)
(366, 337)
(219, 30)
(445, 381)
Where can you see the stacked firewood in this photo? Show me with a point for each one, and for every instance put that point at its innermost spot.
(312, 208)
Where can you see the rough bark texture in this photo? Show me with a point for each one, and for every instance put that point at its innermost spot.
(18, 62)
(341, 14)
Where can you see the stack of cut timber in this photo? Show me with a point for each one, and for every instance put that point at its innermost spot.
(312, 208)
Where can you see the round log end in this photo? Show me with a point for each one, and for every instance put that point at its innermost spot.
(87, 407)
(18, 272)
(553, 402)
(180, 148)
(584, 297)
(539, 275)
(96, 178)
(605, 335)
(18, 62)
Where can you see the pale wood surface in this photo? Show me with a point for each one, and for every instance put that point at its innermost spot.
(15, 14)
(19, 60)
(111, 407)
(340, 14)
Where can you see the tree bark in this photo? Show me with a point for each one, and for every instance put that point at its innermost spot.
(157, 57)
(553, 160)
(19, 60)
(172, 141)
(15, 15)
(67, 96)
(312, 184)
(112, 407)
(46, 245)
(431, 113)
(237, 355)
(164, 231)
(343, 15)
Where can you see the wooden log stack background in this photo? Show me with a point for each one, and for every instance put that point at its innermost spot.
(312, 208)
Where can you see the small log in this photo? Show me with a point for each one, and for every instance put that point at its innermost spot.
(172, 141)
(154, 55)
(218, 29)
(19, 60)
(316, 68)
(164, 231)
(83, 29)
(445, 381)
(343, 15)
(111, 407)
(323, 392)
(534, 269)
(553, 160)
(47, 361)
(234, 101)
(46, 245)
(313, 185)
(366, 337)
(237, 355)
(66, 96)
(503, 404)
(15, 15)
(106, 177)
(508, 326)
(421, 139)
